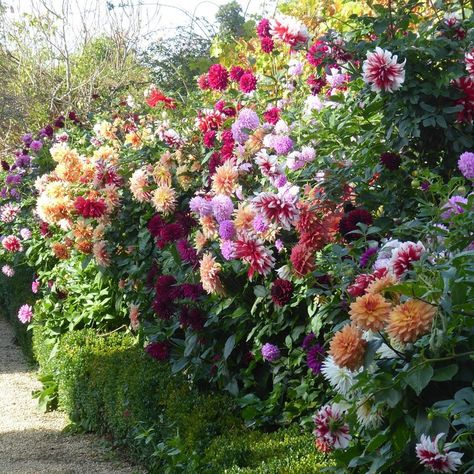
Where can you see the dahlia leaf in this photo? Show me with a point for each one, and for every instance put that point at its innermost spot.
(229, 346)
(419, 378)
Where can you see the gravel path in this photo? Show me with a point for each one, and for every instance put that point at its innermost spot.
(32, 442)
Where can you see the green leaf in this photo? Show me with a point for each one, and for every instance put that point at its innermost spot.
(260, 291)
(372, 347)
(420, 377)
(445, 373)
(229, 346)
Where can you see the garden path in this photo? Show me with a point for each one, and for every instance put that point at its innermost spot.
(32, 442)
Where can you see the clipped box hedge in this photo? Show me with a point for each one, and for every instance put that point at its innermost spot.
(111, 386)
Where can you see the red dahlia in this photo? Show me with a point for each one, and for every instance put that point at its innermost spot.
(348, 224)
(90, 207)
(390, 160)
(302, 259)
(282, 291)
(272, 115)
(248, 83)
(267, 45)
(158, 350)
(218, 77)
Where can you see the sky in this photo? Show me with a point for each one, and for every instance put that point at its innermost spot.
(158, 18)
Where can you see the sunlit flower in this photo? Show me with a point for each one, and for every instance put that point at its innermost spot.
(331, 430)
(410, 320)
(404, 255)
(12, 244)
(289, 30)
(139, 185)
(225, 179)
(436, 458)
(379, 285)
(277, 208)
(164, 199)
(244, 216)
(347, 347)
(101, 254)
(25, 313)
(469, 60)
(8, 212)
(341, 379)
(209, 270)
(382, 71)
(60, 250)
(252, 251)
(370, 311)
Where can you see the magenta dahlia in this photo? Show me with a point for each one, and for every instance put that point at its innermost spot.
(267, 45)
(248, 82)
(236, 72)
(218, 77)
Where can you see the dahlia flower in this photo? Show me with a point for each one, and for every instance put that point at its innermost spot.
(270, 352)
(218, 77)
(203, 82)
(466, 163)
(101, 255)
(247, 120)
(466, 86)
(139, 186)
(8, 271)
(134, 314)
(331, 430)
(155, 96)
(404, 255)
(368, 416)
(209, 271)
(226, 230)
(267, 45)
(410, 320)
(186, 252)
(390, 160)
(252, 251)
(437, 458)
(25, 314)
(200, 206)
(158, 350)
(222, 207)
(193, 318)
(453, 207)
(36, 145)
(35, 286)
(94, 208)
(380, 284)
(382, 71)
(268, 164)
(288, 30)
(209, 119)
(8, 212)
(367, 255)
(281, 144)
(263, 28)
(236, 72)
(277, 208)
(164, 199)
(313, 357)
(281, 292)
(227, 249)
(302, 259)
(370, 311)
(272, 115)
(348, 224)
(248, 82)
(12, 244)
(469, 60)
(347, 347)
(317, 53)
(341, 379)
(225, 179)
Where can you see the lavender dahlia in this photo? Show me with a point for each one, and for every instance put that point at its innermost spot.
(270, 352)
(466, 164)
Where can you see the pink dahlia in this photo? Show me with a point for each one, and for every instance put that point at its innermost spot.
(331, 430)
(469, 59)
(317, 53)
(8, 212)
(248, 82)
(382, 71)
(279, 208)
(404, 255)
(267, 45)
(12, 244)
(218, 77)
(252, 251)
(236, 72)
(437, 458)
(25, 314)
(35, 286)
(263, 28)
(8, 271)
(272, 115)
(289, 30)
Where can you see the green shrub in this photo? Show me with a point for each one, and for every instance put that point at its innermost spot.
(285, 451)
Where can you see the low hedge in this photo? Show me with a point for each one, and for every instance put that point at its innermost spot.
(111, 386)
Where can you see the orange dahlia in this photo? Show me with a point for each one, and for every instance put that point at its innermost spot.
(164, 199)
(381, 284)
(209, 270)
(225, 179)
(370, 311)
(410, 320)
(347, 347)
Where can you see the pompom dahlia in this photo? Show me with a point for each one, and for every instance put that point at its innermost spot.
(436, 458)
(8, 271)
(272, 115)
(270, 352)
(218, 77)
(277, 208)
(12, 244)
(159, 350)
(348, 224)
(466, 164)
(281, 292)
(222, 207)
(25, 313)
(252, 251)
(382, 71)
(390, 160)
(347, 347)
(236, 72)
(247, 83)
(201, 206)
(410, 320)
(370, 311)
(331, 430)
(209, 271)
(267, 45)
(288, 30)
(317, 53)
(226, 230)
(263, 28)
(101, 254)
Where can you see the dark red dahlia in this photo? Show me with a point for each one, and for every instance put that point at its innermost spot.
(267, 45)
(348, 224)
(248, 83)
(186, 221)
(218, 77)
(191, 291)
(186, 252)
(316, 83)
(214, 162)
(209, 138)
(317, 53)
(163, 309)
(391, 161)
(155, 225)
(73, 117)
(263, 28)
(90, 207)
(236, 72)
(159, 350)
(169, 233)
(282, 291)
(165, 288)
(59, 122)
(193, 318)
(272, 115)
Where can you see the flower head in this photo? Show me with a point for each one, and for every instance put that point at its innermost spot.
(391, 161)
(370, 311)
(382, 71)
(218, 77)
(277, 208)
(222, 207)
(347, 347)
(302, 259)
(466, 164)
(410, 320)
(404, 255)
(252, 251)
(159, 350)
(436, 458)
(225, 179)
(270, 352)
(8, 271)
(288, 30)
(25, 313)
(341, 379)
(313, 358)
(164, 199)
(348, 224)
(331, 430)
(248, 82)
(281, 292)
(209, 271)
(453, 207)
(12, 244)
